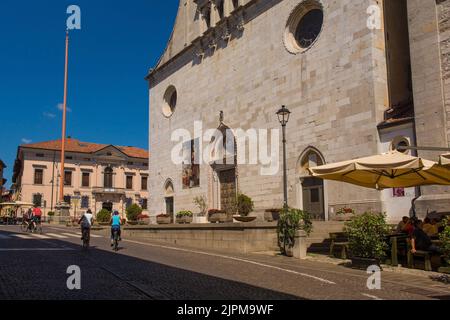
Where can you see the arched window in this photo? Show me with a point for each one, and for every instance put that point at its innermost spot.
(310, 158)
(108, 178)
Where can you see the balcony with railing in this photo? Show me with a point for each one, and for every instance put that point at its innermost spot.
(103, 190)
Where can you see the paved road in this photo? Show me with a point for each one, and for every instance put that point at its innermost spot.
(35, 267)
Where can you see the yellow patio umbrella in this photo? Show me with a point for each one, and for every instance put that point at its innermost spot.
(445, 159)
(388, 170)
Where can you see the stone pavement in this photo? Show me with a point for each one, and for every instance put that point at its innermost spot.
(36, 269)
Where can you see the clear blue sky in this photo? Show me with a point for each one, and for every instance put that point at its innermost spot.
(109, 57)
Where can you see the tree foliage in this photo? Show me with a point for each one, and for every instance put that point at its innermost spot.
(367, 235)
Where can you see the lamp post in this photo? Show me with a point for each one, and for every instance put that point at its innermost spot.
(283, 116)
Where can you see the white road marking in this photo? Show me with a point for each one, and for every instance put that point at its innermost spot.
(92, 235)
(3, 237)
(71, 235)
(54, 235)
(372, 297)
(35, 249)
(22, 236)
(235, 259)
(41, 236)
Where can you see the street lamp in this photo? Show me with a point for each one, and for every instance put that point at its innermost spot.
(283, 116)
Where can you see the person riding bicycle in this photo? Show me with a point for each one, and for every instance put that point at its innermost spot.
(37, 215)
(115, 226)
(86, 222)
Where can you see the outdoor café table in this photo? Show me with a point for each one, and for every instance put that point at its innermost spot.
(394, 241)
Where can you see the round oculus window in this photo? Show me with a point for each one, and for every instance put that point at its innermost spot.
(309, 28)
(304, 26)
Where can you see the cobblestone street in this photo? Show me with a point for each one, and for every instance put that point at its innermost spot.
(35, 266)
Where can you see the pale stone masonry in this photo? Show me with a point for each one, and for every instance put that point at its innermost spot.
(349, 93)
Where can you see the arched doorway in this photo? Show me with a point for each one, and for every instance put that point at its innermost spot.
(311, 191)
(108, 205)
(224, 164)
(169, 199)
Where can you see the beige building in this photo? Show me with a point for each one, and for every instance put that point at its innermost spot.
(359, 76)
(96, 176)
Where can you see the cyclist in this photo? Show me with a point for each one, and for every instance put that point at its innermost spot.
(86, 222)
(37, 216)
(115, 226)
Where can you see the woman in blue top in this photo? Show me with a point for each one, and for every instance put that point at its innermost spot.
(115, 225)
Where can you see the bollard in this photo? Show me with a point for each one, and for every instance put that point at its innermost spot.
(300, 247)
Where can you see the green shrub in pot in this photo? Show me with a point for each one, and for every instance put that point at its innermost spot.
(291, 221)
(245, 205)
(367, 236)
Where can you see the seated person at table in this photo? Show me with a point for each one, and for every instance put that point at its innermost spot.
(430, 227)
(421, 241)
(410, 226)
(401, 226)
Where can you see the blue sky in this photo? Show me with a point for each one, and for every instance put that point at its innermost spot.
(109, 57)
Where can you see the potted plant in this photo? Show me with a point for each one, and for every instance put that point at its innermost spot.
(184, 217)
(291, 221)
(345, 214)
(245, 206)
(444, 236)
(367, 239)
(271, 215)
(133, 212)
(163, 219)
(217, 216)
(143, 219)
(51, 215)
(103, 217)
(200, 202)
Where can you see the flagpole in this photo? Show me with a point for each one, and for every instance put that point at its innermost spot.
(63, 140)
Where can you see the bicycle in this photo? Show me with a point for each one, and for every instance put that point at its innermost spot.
(86, 238)
(116, 240)
(37, 227)
(24, 227)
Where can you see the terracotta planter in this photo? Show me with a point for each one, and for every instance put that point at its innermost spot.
(244, 219)
(220, 217)
(163, 220)
(144, 222)
(185, 220)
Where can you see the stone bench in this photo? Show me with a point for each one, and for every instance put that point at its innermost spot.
(339, 240)
(423, 254)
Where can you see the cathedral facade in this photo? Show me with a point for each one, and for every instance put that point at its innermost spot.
(360, 77)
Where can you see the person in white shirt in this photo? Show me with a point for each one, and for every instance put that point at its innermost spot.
(86, 222)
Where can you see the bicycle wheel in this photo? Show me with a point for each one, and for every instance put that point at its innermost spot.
(116, 241)
(86, 238)
(39, 229)
(24, 227)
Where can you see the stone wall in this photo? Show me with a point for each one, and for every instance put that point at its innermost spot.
(237, 238)
(336, 90)
(429, 39)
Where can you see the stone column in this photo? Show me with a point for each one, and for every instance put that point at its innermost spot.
(300, 247)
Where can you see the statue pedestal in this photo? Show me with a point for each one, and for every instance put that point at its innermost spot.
(62, 215)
